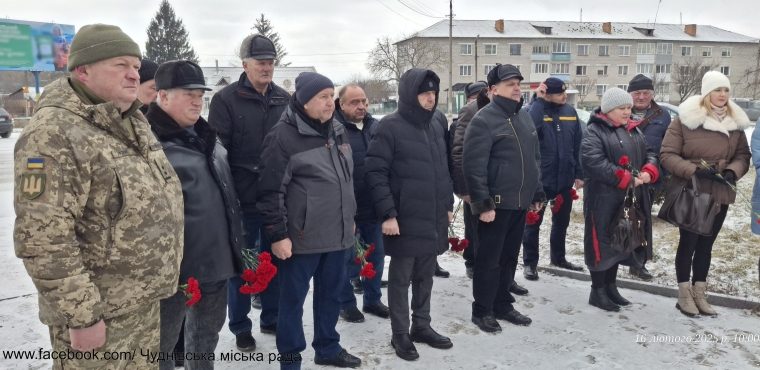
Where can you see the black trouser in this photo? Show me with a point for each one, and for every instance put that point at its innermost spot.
(496, 261)
(401, 272)
(605, 277)
(471, 234)
(560, 222)
(695, 251)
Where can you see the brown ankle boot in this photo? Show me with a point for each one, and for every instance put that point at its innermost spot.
(686, 300)
(700, 299)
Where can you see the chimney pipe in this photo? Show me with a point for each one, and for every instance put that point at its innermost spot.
(499, 26)
(691, 30)
(607, 27)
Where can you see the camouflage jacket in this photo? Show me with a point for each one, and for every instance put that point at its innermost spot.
(99, 216)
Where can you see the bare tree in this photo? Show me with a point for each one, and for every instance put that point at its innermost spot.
(687, 76)
(750, 79)
(377, 90)
(583, 85)
(389, 61)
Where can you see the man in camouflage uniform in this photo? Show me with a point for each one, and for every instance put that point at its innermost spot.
(99, 214)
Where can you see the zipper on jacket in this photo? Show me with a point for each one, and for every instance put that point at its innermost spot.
(522, 165)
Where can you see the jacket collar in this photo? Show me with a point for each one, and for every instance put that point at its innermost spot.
(167, 129)
(246, 90)
(340, 117)
(294, 119)
(692, 115)
(509, 106)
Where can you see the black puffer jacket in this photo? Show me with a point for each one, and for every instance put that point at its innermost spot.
(213, 226)
(365, 210)
(408, 174)
(604, 192)
(502, 158)
(457, 146)
(243, 117)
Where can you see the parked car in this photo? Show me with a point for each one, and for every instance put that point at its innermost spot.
(6, 123)
(672, 109)
(751, 107)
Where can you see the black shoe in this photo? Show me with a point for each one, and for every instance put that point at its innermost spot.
(245, 342)
(641, 273)
(431, 337)
(343, 359)
(565, 264)
(517, 289)
(256, 301)
(599, 298)
(470, 271)
(352, 314)
(404, 347)
(614, 295)
(358, 287)
(269, 329)
(530, 272)
(379, 309)
(514, 317)
(487, 323)
(441, 272)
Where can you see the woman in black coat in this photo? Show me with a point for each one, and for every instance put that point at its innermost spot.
(610, 137)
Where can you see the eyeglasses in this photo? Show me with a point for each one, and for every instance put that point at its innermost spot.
(641, 93)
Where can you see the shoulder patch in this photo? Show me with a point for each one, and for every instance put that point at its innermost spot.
(32, 184)
(35, 163)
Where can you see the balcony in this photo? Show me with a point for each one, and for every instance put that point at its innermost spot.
(561, 57)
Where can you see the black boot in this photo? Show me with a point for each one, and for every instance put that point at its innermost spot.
(487, 323)
(404, 347)
(430, 337)
(440, 272)
(530, 272)
(599, 298)
(614, 295)
(641, 273)
(517, 289)
(342, 359)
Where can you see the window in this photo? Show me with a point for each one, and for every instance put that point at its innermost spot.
(705, 69)
(583, 50)
(624, 87)
(662, 68)
(664, 48)
(662, 89)
(685, 51)
(604, 50)
(487, 68)
(601, 70)
(465, 49)
(725, 52)
(600, 89)
(465, 69)
(580, 70)
(490, 49)
(515, 49)
(644, 68)
(646, 48)
(540, 67)
(623, 70)
(541, 49)
(624, 50)
(726, 70)
(582, 89)
(561, 68)
(560, 47)
(706, 51)
(684, 71)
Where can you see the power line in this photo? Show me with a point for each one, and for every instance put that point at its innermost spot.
(425, 7)
(416, 10)
(397, 13)
(293, 55)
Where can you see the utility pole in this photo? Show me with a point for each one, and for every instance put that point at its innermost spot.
(451, 57)
(476, 58)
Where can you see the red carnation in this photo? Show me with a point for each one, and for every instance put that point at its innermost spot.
(357, 261)
(248, 276)
(369, 251)
(463, 244)
(368, 271)
(574, 194)
(532, 218)
(624, 161)
(192, 290)
(619, 173)
(453, 242)
(557, 204)
(758, 220)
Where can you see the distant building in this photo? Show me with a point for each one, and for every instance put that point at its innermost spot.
(589, 56)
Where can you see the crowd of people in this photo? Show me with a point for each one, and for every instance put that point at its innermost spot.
(127, 199)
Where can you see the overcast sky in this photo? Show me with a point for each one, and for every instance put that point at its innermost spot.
(335, 35)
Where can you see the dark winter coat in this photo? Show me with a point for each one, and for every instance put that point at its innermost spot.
(359, 139)
(603, 194)
(213, 224)
(559, 132)
(306, 192)
(243, 117)
(457, 147)
(408, 175)
(654, 125)
(694, 137)
(502, 158)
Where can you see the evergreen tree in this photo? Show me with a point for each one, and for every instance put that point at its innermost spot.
(167, 37)
(264, 27)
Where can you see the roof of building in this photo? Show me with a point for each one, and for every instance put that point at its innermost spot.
(580, 30)
(285, 77)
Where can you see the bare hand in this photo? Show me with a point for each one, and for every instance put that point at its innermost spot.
(536, 206)
(645, 177)
(466, 198)
(390, 227)
(283, 249)
(541, 90)
(89, 338)
(579, 184)
(488, 216)
(451, 216)
(637, 182)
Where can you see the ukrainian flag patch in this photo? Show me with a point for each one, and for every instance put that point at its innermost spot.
(35, 163)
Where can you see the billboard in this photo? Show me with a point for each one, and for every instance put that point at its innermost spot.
(34, 46)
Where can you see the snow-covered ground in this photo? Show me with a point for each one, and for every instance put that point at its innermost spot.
(566, 331)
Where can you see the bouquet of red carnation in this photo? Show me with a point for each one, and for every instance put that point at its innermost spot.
(532, 218)
(192, 291)
(456, 244)
(557, 203)
(574, 194)
(363, 251)
(258, 273)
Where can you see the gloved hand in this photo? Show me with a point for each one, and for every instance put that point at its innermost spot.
(729, 177)
(708, 174)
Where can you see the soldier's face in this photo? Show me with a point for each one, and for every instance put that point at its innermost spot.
(354, 104)
(115, 79)
(147, 92)
(321, 106)
(182, 105)
(259, 72)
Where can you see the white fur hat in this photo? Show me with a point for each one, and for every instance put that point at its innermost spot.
(713, 80)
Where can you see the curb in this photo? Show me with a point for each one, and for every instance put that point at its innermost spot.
(715, 298)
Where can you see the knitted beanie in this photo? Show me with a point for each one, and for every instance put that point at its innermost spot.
(615, 97)
(147, 70)
(96, 42)
(713, 80)
(640, 82)
(309, 84)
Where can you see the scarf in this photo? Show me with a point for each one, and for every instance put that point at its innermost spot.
(719, 112)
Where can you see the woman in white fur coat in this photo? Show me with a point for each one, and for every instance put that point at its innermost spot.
(709, 130)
